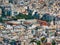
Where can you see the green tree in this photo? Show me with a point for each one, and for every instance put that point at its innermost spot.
(36, 41)
(53, 42)
(44, 40)
(47, 17)
(23, 16)
(1, 19)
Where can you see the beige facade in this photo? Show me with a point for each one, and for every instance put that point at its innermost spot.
(0, 11)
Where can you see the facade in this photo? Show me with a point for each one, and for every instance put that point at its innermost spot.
(0, 11)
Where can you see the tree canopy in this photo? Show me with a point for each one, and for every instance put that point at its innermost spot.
(24, 16)
(47, 17)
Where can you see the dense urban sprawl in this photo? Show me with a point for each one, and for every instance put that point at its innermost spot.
(29, 22)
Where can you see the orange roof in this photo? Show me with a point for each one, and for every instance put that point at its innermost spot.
(41, 1)
(42, 22)
(27, 23)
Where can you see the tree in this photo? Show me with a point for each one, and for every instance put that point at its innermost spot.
(1, 19)
(53, 42)
(22, 16)
(3, 12)
(36, 15)
(36, 41)
(47, 17)
(13, 42)
(43, 39)
(29, 11)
